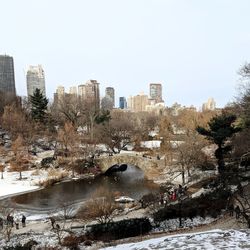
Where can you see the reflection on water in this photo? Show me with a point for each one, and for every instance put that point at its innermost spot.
(130, 182)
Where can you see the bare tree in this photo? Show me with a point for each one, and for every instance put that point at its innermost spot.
(166, 134)
(190, 154)
(7, 229)
(101, 208)
(243, 199)
(16, 121)
(19, 163)
(118, 132)
(7, 99)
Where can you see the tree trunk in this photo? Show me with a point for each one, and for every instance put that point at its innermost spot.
(20, 175)
(183, 175)
(220, 159)
(91, 128)
(2, 175)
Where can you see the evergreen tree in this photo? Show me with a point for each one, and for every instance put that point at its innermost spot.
(221, 128)
(38, 106)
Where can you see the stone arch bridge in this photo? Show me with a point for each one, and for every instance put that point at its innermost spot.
(150, 167)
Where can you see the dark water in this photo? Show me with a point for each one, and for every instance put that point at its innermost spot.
(130, 183)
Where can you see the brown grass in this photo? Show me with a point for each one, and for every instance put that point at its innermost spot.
(53, 177)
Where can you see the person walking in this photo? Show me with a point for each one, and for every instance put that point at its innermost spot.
(53, 221)
(23, 221)
(237, 212)
(231, 209)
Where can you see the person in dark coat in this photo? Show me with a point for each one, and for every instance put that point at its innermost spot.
(23, 221)
(8, 219)
(237, 212)
(53, 221)
(231, 209)
(11, 218)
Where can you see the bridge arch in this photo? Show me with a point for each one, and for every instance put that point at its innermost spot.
(150, 167)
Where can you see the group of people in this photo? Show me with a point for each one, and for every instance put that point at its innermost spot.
(173, 194)
(233, 209)
(10, 221)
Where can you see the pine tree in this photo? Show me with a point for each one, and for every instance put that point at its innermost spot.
(221, 128)
(38, 106)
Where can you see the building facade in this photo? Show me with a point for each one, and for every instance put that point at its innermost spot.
(90, 93)
(155, 92)
(73, 90)
(138, 103)
(209, 105)
(122, 102)
(35, 79)
(110, 93)
(7, 75)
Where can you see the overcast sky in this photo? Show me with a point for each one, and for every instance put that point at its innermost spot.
(193, 47)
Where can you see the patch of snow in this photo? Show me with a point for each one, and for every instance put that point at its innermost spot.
(173, 224)
(124, 199)
(200, 192)
(151, 144)
(11, 184)
(212, 240)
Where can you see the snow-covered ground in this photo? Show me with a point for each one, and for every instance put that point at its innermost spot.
(11, 184)
(216, 239)
(151, 144)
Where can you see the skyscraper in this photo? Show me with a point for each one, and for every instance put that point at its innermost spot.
(73, 90)
(35, 80)
(90, 93)
(156, 92)
(7, 75)
(110, 93)
(138, 103)
(122, 103)
(209, 105)
(59, 95)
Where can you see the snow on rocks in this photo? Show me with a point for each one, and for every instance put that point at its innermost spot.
(124, 199)
(173, 224)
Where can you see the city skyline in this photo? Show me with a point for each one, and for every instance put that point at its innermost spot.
(194, 49)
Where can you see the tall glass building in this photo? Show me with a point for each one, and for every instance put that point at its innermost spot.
(7, 75)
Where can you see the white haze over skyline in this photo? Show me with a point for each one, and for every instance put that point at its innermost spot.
(194, 48)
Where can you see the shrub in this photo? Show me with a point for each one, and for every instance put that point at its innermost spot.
(119, 229)
(209, 204)
(46, 162)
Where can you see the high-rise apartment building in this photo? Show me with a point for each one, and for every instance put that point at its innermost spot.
(110, 93)
(7, 75)
(35, 79)
(155, 92)
(209, 105)
(59, 95)
(122, 103)
(90, 93)
(73, 90)
(138, 103)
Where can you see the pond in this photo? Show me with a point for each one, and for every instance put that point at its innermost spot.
(130, 183)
